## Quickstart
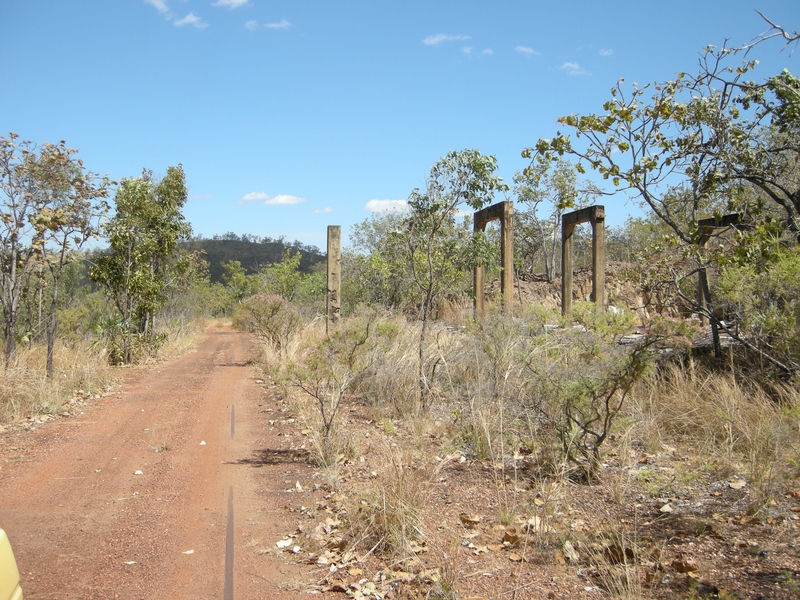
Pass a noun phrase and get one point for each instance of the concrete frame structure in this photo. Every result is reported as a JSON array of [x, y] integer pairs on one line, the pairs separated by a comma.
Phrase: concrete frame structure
[[334, 286], [708, 228], [596, 215], [503, 212]]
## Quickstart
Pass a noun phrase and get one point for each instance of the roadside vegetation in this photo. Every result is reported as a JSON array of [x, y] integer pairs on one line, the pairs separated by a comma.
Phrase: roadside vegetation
[[96, 274], [651, 450], [448, 447]]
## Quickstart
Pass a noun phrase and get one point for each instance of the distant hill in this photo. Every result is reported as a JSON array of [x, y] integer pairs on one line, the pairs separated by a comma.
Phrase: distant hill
[[251, 251]]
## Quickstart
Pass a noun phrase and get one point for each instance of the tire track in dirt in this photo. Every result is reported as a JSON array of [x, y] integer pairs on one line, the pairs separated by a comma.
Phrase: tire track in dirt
[[83, 525]]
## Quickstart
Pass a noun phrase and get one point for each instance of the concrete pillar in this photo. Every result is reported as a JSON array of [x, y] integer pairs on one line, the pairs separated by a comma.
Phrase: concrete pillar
[[334, 286], [507, 256], [566, 268], [599, 264]]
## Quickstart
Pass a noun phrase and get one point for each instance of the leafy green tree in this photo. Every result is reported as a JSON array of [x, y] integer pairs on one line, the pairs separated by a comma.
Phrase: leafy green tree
[[698, 146], [139, 267], [71, 221], [552, 186], [374, 267], [433, 253], [282, 278], [313, 286], [765, 299], [637, 240], [239, 284], [50, 205]]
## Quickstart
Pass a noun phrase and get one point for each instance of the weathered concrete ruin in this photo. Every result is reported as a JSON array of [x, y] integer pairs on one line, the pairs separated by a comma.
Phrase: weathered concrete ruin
[[333, 294], [595, 215], [503, 212], [708, 228]]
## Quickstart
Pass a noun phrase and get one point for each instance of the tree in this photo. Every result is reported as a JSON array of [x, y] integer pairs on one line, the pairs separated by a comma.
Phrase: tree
[[137, 269], [432, 251], [700, 145], [71, 220], [373, 268], [238, 283], [556, 186], [50, 204], [282, 278]]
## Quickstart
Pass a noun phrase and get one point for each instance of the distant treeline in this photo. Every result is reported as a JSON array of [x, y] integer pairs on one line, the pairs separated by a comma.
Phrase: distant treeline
[[251, 251]]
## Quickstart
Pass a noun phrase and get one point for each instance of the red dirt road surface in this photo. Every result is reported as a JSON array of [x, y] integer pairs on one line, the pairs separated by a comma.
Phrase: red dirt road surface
[[84, 524]]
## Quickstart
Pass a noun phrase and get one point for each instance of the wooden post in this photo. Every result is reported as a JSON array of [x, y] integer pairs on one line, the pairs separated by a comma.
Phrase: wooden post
[[702, 286], [333, 294], [709, 227]]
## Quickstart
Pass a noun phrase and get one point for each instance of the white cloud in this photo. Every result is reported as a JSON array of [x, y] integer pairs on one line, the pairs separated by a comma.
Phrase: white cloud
[[251, 25], [322, 211], [282, 24], [191, 19], [432, 40], [488, 51], [527, 50], [386, 205], [573, 68], [467, 49], [285, 199], [606, 52], [253, 196], [231, 4], [160, 5]]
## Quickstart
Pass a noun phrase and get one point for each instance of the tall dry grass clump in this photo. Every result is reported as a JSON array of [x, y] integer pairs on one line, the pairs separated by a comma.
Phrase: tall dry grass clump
[[733, 425], [386, 516], [391, 385], [370, 358], [183, 336], [26, 391]]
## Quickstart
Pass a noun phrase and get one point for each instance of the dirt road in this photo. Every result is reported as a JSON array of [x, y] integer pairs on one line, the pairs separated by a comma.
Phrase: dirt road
[[85, 524]]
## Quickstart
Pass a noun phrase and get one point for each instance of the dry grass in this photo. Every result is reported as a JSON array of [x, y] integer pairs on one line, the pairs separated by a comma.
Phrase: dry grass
[[496, 392], [392, 386], [81, 369], [386, 516], [617, 567], [183, 337], [482, 383], [25, 390], [734, 426]]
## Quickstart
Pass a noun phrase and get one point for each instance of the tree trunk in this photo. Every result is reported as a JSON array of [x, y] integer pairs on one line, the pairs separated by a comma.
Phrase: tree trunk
[[51, 329], [712, 317], [39, 307], [10, 333], [152, 333], [423, 384]]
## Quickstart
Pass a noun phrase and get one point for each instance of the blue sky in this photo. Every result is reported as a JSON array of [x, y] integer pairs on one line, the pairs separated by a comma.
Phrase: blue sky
[[289, 116]]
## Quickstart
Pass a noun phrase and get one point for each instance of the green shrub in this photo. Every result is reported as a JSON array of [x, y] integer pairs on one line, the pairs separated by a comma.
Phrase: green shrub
[[271, 319]]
